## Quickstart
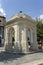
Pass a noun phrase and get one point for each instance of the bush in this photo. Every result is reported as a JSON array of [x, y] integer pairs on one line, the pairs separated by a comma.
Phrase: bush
[[40, 46]]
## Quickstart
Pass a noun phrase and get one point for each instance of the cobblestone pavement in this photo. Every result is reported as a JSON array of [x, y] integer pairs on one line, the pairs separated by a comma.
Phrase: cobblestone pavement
[[36, 62], [15, 59], [2, 49]]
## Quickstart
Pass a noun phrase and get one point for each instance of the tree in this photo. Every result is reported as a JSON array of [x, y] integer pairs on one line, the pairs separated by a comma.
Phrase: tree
[[39, 30]]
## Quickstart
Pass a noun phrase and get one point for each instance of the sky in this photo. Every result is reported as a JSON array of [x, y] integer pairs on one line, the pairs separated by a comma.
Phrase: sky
[[33, 8]]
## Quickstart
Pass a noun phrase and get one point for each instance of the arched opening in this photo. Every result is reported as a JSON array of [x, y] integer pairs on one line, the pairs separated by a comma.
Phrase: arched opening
[[28, 38], [11, 36], [0, 41]]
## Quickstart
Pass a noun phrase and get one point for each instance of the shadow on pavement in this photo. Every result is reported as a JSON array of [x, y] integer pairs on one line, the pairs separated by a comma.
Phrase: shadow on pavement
[[4, 57], [41, 64]]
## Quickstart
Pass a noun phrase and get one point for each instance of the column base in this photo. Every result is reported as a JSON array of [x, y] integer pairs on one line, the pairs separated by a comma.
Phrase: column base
[[34, 48], [8, 47]]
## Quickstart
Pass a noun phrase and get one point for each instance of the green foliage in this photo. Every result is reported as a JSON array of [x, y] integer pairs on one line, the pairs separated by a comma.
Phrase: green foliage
[[39, 30]]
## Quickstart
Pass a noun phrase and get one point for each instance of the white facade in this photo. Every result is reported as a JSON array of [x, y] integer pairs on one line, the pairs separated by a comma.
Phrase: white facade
[[23, 27]]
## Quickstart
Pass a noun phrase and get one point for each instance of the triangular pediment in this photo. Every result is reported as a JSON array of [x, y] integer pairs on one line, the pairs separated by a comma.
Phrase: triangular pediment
[[20, 15]]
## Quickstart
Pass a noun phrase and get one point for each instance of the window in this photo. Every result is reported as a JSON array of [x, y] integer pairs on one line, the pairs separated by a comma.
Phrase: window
[[13, 41], [0, 20]]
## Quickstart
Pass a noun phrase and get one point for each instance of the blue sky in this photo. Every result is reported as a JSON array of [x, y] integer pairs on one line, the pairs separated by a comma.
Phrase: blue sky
[[34, 8]]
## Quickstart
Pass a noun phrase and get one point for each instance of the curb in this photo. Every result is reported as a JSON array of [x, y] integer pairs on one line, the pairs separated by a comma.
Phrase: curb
[[19, 53]]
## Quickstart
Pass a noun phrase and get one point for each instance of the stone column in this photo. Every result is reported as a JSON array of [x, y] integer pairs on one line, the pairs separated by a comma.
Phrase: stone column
[[6, 35], [24, 39], [7, 44], [34, 43], [17, 38], [6, 38], [35, 40]]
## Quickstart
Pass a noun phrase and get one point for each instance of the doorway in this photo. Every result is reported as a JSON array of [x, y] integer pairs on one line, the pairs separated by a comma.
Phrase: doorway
[[11, 36], [0, 41], [29, 39]]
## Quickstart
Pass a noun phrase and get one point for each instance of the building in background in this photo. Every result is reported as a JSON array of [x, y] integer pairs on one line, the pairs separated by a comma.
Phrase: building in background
[[2, 21]]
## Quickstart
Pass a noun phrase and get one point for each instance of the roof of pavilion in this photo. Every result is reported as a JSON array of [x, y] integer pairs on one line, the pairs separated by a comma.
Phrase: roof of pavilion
[[20, 15]]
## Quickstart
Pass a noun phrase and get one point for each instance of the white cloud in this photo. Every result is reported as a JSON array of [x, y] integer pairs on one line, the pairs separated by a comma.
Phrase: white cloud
[[41, 16], [2, 12]]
